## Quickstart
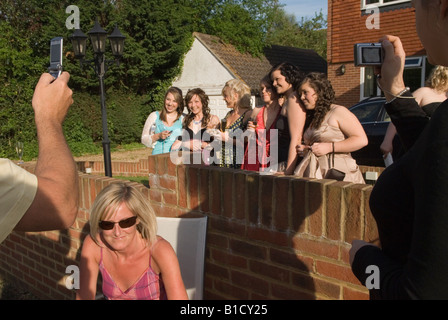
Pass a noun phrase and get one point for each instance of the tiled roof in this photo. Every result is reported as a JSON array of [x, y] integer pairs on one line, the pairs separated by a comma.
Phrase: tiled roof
[[307, 60], [252, 69]]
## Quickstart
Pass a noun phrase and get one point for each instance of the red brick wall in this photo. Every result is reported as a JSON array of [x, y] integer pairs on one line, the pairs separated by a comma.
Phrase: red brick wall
[[268, 237], [346, 86], [347, 26]]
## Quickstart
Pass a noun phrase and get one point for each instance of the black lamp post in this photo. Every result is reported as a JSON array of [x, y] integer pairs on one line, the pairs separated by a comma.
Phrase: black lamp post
[[100, 66]]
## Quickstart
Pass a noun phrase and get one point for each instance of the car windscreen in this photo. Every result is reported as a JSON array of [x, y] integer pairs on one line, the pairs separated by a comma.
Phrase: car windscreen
[[368, 112]]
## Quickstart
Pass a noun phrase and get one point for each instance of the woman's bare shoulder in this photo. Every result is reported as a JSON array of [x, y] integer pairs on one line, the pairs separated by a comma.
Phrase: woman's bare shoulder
[[91, 248]]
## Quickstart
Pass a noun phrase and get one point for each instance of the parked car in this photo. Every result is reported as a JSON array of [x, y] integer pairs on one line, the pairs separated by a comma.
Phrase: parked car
[[375, 120]]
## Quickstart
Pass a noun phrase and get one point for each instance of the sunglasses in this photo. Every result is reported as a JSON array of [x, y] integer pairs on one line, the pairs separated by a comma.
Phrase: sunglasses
[[126, 223]]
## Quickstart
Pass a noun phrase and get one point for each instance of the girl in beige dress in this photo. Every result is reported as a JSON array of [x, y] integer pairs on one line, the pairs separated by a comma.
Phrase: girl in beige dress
[[333, 130]]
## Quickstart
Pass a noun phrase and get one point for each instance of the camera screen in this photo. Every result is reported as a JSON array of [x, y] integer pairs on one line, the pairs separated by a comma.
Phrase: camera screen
[[371, 55], [55, 52]]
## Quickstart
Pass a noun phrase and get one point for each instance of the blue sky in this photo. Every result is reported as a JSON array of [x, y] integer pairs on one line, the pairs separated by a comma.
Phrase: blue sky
[[305, 8]]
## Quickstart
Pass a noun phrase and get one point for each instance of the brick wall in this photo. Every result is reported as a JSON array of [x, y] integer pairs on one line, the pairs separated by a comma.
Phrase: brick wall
[[346, 86], [268, 237]]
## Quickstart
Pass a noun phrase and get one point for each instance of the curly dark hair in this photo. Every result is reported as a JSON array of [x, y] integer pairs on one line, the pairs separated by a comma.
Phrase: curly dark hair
[[293, 75], [325, 96], [205, 108]]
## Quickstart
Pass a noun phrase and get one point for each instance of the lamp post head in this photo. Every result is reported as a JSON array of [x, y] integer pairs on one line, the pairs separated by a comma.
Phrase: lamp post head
[[98, 38], [117, 42], [79, 39]]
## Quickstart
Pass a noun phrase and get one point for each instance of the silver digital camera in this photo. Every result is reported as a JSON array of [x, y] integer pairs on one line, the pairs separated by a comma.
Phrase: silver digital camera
[[368, 54]]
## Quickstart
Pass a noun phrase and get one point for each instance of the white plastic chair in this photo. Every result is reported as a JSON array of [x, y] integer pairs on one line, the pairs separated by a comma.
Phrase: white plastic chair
[[187, 236]]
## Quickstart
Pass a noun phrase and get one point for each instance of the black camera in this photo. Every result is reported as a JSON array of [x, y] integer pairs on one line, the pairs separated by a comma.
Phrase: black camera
[[368, 54]]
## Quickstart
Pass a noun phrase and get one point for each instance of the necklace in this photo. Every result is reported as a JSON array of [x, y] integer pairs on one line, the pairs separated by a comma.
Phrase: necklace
[[197, 122]]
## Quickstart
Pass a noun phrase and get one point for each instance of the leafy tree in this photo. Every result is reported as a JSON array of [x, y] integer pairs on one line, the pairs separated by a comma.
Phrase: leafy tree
[[242, 23], [158, 35], [16, 114], [307, 34]]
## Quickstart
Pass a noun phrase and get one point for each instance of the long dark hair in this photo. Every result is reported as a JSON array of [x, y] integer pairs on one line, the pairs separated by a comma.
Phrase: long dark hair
[[325, 96], [177, 93], [205, 108]]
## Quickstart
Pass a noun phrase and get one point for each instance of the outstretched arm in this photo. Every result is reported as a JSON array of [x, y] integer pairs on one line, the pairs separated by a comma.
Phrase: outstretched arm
[[55, 205]]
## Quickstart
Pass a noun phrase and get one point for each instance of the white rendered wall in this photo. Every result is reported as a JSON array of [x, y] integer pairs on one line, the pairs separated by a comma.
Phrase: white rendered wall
[[202, 70]]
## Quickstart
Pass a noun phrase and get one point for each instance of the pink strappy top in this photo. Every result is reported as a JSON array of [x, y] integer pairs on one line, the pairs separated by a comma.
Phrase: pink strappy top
[[148, 287]]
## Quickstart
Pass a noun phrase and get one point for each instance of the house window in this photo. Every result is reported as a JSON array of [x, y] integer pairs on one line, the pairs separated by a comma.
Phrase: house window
[[368, 83], [379, 3], [416, 70]]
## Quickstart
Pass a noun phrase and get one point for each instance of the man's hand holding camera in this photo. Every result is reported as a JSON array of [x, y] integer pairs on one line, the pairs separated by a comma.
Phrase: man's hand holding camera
[[51, 100], [390, 73], [388, 58]]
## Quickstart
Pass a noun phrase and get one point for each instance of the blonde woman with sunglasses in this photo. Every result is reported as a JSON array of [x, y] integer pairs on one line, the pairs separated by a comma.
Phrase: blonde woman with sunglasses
[[123, 245]]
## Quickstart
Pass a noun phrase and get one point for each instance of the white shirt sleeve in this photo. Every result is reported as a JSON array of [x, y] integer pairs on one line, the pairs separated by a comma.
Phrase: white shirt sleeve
[[18, 188], [146, 137]]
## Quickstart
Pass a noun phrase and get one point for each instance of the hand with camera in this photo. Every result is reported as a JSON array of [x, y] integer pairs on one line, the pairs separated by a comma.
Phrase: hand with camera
[[390, 73], [51, 100], [388, 59], [56, 202]]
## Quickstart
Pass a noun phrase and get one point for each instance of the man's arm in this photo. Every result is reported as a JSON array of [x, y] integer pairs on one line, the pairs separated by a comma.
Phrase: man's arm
[[55, 205]]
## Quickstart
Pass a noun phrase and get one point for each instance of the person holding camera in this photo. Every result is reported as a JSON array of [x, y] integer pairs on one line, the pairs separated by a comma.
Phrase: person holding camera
[[409, 200], [333, 133], [47, 199]]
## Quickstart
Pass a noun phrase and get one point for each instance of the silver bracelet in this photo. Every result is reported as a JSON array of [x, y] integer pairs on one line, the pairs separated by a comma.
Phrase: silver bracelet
[[399, 95]]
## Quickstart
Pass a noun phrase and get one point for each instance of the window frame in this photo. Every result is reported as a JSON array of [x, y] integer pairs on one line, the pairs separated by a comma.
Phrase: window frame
[[420, 64], [381, 3]]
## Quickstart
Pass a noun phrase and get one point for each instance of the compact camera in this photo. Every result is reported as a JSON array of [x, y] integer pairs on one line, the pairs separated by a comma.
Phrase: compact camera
[[368, 54], [55, 67]]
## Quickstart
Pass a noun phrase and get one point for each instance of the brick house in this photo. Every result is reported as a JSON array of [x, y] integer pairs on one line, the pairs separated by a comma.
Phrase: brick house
[[354, 21], [210, 63]]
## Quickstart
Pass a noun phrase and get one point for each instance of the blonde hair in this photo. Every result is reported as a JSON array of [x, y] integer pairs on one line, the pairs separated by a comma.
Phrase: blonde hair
[[241, 89], [438, 79], [108, 201]]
